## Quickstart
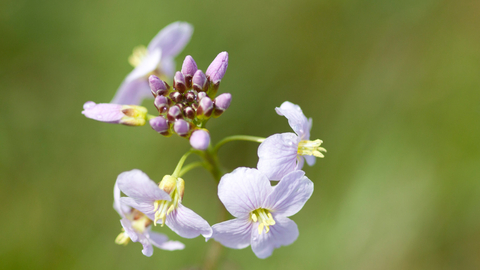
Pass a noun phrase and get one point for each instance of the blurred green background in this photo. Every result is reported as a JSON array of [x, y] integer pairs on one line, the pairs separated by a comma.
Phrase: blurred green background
[[392, 87]]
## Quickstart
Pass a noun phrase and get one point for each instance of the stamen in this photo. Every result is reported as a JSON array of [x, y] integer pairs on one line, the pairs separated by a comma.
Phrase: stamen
[[139, 53], [311, 148], [122, 238], [264, 218]]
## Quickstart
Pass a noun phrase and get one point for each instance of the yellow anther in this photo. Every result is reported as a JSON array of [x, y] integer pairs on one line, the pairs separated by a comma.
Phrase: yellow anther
[[311, 148], [139, 53], [122, 239], [264, 218]]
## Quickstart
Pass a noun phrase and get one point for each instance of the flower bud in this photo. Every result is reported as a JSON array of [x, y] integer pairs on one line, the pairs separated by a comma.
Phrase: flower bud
[[174, 113], [190, 96], [218, 67], [200, 139], [176, 97], [221, 103], [201, 95], [168, 184], [179, 82], [157, 86], [205, 108], [189, 68], [160, 125], [189, 112], [181, 127], [160, 102], [199, 81]]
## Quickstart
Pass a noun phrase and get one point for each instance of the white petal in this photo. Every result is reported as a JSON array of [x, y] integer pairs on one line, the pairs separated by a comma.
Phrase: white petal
[[277, 155], [148, 65], [147, 246], [139, 187], [187, 223], [172, 39], [243, 191], [117, 205], [132, 92], [283, 233], [127, 226], [161, 241], [296, 119], [145, 207], [310, 160], [235, 233], [291, 193]]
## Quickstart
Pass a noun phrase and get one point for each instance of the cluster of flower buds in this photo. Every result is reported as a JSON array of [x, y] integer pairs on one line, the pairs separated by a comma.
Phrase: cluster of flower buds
[[185, 108]]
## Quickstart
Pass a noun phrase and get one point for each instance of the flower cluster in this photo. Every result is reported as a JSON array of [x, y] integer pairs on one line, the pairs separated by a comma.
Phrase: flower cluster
[[261, 210]]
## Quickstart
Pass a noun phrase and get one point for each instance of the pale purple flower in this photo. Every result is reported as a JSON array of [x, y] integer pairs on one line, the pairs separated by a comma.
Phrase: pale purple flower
[[130, 115], [162, 202], [261, 211], [282, 153], [137, 227], [157, 59]]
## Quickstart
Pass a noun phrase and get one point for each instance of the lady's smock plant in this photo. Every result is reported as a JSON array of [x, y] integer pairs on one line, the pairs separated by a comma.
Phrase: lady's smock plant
[[184, 107]]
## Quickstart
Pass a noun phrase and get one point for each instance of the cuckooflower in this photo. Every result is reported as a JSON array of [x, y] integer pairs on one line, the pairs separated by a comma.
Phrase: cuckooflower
[[137, 227], [261, 210], [157, 59], [130, 115], [282, 153], [162, 203]]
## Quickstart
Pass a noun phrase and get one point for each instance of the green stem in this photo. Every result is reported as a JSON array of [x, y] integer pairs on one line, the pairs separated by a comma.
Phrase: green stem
[[150, 117], [176, 173], [189, 167], [237, 138]]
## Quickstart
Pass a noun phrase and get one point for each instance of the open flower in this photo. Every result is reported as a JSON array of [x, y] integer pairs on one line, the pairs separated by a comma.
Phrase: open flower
[[162, 202], [137, 227], [261, 210], [282, 153], [156, 59]]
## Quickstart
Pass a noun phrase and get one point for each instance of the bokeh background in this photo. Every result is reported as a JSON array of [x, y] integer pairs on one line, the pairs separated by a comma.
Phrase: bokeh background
[[392, 87]]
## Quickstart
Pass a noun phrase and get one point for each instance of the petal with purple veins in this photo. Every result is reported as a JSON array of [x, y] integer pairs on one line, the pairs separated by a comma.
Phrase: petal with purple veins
[[291, 193], [243, 191], [283, 233], [139, 187], [296, 119], [235, 233], [278, 155], [187, 223]]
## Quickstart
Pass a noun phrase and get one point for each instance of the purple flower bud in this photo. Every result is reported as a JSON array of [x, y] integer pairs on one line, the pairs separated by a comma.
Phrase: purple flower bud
[[179, 82], [181, 127], [159, 124], [218, 67], [222, 102], [199, 81], [176, 97], [157, 86], [200, 139], [201, 95], [190, 96], [160, 102], [205, 108], [189, 112], [174, 113], [189, 68]]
